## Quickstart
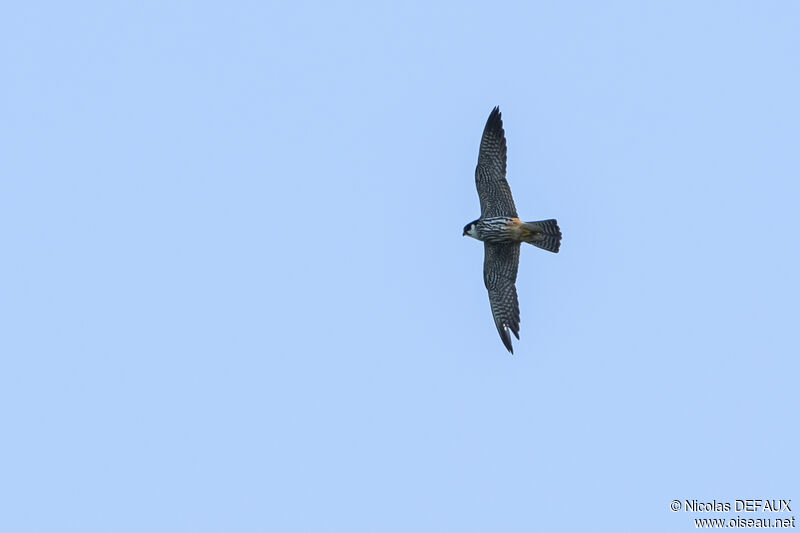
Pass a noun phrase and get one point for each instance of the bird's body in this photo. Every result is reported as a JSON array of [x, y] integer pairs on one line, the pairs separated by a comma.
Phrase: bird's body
[[497, 229], [501, 230]]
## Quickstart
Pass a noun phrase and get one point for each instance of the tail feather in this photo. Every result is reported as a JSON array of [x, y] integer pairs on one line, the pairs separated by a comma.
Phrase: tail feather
[[544, 234]]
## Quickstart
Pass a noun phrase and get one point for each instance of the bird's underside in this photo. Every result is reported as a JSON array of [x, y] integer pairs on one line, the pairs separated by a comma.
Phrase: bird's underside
[[501, 230]]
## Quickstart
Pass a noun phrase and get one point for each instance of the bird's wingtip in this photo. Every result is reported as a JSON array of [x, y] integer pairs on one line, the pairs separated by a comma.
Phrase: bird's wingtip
[[494, 123], [505, 336]]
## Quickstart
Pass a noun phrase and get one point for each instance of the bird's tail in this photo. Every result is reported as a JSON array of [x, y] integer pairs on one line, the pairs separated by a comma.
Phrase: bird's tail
[[544, 234]]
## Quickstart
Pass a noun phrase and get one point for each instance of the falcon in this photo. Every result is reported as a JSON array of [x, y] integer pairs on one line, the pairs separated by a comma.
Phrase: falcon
[[501, 230]]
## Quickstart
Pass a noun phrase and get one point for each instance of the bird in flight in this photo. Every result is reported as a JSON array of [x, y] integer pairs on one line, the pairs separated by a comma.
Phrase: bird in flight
[[501, 230]]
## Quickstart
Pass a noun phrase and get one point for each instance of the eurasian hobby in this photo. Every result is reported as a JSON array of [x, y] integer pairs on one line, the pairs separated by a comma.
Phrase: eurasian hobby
[[501, 230]]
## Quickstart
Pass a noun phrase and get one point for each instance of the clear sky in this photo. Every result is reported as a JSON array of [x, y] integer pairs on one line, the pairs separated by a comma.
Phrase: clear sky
[[235, 295]]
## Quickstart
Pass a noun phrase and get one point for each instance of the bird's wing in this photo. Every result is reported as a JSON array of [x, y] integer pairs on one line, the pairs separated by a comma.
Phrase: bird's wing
[[500, 265], [490, 174]]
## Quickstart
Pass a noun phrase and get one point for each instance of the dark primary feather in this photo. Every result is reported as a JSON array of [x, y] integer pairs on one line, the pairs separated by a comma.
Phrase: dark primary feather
[[500, 265], [490, 174]]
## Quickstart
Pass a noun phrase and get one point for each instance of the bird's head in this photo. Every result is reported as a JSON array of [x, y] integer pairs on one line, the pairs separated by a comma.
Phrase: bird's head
[[471, 229]]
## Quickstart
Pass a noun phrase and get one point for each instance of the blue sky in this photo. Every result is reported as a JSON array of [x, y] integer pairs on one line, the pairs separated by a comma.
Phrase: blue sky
[[235, 294]]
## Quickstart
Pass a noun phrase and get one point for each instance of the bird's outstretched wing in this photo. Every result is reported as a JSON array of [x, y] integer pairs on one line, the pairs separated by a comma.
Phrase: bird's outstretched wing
[[500, 264], [490, 174]]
